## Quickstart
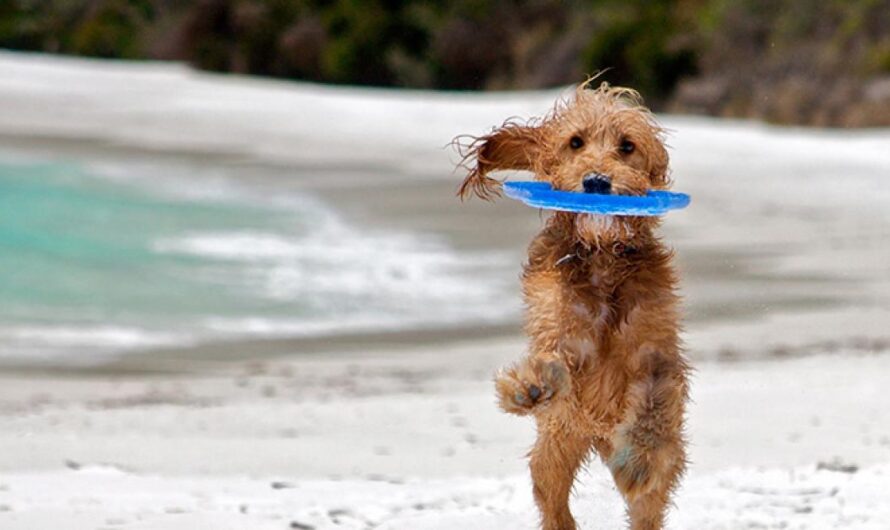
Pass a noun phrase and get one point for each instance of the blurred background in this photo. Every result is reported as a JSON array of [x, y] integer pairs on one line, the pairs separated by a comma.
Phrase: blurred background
[[795, 61], [231, 256], [320, 209]]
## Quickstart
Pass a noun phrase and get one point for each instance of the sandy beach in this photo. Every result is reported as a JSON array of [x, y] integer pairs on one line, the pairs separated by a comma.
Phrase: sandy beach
[[413, 440], [784, 254]]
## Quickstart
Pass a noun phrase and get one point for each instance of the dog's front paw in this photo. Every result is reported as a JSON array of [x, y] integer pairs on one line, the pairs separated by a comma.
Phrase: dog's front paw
[[532, 384]]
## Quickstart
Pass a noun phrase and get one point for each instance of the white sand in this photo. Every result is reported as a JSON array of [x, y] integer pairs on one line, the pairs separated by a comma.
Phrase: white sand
[[413, 440]]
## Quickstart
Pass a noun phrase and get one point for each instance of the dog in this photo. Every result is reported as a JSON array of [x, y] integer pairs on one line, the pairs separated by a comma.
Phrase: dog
[[605, 371]]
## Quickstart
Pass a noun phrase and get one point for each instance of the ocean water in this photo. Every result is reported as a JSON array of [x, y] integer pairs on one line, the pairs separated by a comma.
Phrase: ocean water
[[95, 265]]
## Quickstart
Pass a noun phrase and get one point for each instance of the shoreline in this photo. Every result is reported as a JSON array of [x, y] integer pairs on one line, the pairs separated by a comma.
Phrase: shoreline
[[212, 356]]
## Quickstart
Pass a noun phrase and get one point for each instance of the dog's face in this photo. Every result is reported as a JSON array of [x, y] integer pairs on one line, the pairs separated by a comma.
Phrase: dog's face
[[602, 141]]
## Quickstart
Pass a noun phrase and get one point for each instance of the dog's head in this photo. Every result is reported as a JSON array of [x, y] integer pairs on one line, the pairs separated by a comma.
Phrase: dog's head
[[601, 140]]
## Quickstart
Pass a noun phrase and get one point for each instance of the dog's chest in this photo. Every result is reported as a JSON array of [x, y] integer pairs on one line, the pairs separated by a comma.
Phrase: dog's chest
[[569, 312], [584, 329]]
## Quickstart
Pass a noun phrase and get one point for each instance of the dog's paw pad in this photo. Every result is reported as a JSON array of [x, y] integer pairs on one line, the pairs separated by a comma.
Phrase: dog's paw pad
[[530, 385], [520, 399]]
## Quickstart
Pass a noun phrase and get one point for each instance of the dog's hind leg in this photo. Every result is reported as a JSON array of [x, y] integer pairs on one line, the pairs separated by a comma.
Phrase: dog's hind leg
[[646, 479], [555, 459], [648, 455]]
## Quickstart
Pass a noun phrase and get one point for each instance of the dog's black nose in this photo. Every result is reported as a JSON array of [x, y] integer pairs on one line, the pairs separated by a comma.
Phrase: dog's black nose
[[597, 183]]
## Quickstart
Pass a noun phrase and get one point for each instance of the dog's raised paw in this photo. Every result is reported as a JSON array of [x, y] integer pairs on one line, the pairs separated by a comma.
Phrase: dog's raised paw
[[532, 384]]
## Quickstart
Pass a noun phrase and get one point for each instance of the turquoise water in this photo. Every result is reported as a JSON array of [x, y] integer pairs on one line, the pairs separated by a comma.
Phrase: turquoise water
[[80, 252], [92, 265]]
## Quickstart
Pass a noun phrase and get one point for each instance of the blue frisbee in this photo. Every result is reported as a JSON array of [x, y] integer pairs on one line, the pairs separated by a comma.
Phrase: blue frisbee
[[542, 195]]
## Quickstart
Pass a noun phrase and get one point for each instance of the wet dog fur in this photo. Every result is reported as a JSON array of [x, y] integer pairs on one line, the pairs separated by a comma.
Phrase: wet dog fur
[[605, 372]]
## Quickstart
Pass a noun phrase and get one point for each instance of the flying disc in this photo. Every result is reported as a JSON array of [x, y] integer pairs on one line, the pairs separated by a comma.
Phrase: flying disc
[[542, 195]]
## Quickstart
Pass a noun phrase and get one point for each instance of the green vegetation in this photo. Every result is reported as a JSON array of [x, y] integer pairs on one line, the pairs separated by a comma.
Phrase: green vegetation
[[462, 44], [802, 61]]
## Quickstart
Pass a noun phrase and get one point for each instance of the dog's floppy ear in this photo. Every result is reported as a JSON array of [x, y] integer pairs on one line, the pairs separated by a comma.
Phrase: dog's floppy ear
[[512, 146], [658, 172]]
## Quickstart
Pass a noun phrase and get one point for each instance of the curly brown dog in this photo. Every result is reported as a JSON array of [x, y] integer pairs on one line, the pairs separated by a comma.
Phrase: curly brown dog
[[605, 370]]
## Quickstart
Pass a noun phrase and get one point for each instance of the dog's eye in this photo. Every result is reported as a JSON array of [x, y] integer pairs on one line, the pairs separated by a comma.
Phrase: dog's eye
[[576, 142], [626, 147]]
